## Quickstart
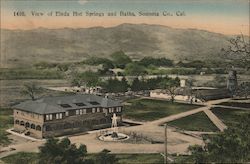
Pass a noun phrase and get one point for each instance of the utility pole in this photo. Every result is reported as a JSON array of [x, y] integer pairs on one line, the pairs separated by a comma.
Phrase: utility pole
[[166, 145]]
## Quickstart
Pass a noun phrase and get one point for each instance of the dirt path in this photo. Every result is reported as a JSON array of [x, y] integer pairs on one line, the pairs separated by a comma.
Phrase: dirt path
[[178, 116], [216, 121]]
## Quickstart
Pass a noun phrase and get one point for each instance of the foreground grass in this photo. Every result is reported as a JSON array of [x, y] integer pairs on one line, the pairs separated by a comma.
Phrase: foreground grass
[[229, 116], [149, 109], [21, 158], [139, 158], [32, 158], [195, 122], [6, 121]]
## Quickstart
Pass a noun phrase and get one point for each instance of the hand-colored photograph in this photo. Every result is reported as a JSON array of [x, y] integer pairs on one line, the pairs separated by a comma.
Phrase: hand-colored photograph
[[124, 81]]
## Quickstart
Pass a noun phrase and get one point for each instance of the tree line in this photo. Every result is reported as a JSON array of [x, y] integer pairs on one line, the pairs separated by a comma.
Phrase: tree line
[[63, 151]]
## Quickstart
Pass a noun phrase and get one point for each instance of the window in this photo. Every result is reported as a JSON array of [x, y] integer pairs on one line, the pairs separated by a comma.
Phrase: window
[[119, 109], [17, 121], [80, 111], [66, 113], [80, 104], [59, 116], [27, 125], [32, 126], [98, 109], [77, 112], [93, 110], [38, 127], [94, 103], [84, 111], [22, 123], [48, 116], [110, 110], [65, 105]]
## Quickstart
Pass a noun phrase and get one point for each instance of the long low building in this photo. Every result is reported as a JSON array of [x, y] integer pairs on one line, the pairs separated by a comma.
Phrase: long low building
[[57, 116], [199, 94]]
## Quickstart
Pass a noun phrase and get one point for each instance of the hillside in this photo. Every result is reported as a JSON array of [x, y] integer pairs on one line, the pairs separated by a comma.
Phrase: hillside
[[22, 47]]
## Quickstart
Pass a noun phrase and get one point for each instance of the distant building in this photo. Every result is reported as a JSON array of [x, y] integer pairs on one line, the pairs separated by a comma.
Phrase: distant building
[[182, 83], [211, 94], [82, 89], [56, 116], [198, 94], [232, 82]]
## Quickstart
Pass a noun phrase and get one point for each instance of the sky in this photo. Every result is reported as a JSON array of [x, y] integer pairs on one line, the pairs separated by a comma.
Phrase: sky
[[221, 16]]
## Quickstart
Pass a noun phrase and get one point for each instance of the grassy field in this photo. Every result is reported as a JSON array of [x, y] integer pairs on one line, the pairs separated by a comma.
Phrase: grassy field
[[10, 89], [29, 73], [148, 109], [195, 122], [32, 158], [6, 121], [21, 158], [139, 158], [229, 116], [236, 104]]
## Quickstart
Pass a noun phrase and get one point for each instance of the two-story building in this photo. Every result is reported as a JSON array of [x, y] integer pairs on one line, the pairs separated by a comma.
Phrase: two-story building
[[56, 116]]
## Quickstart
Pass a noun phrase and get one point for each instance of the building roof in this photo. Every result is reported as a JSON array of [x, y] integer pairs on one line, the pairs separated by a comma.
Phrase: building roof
[[65, 103], [212, 94]]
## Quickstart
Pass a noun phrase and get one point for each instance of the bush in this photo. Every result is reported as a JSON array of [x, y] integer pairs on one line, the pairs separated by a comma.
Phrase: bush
[[146, 61]]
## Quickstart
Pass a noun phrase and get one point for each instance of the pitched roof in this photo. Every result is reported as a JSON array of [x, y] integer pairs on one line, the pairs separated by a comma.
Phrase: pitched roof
[[212, 94], [64, 103]]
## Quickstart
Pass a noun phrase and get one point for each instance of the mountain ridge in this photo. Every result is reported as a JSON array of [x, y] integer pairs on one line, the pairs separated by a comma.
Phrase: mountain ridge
[[136, 40]]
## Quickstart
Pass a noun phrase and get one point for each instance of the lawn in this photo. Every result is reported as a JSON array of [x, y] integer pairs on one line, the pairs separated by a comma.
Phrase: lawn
[[32, 158], [229, 116], [139, 158], [6, 121], [29, 73], [195, 122], [236, 104], [149, 109], [21, 158]]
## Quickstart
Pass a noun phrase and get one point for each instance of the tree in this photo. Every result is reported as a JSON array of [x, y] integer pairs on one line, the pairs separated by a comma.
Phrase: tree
[[56, 151], [104, 157], [106, 69], [115, 85], [136, 85], [76, 80], [124, 84], [120, 59], [198, 155], [74, 77], [244, 89], [171, 85], [31, 89], [231, 146], [135, 69], [146, 61], [89, 78], [238, 51], [190, 84]]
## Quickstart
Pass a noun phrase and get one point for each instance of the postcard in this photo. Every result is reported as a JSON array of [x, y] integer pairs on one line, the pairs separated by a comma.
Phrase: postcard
[[122, 81]]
